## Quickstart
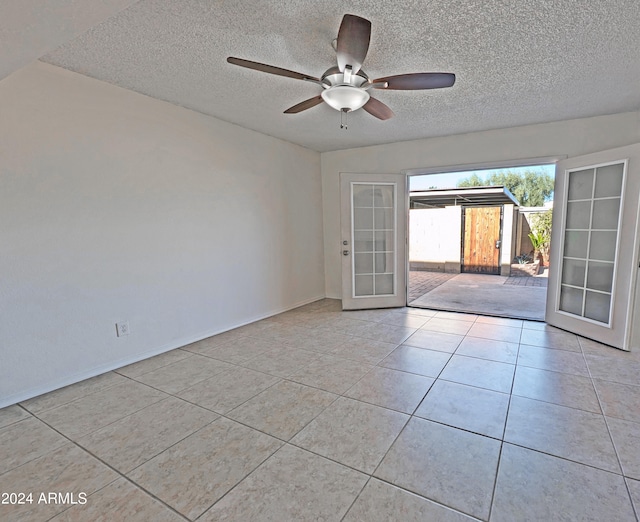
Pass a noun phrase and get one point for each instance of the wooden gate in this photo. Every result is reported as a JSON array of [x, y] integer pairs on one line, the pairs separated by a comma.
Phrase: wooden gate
[[482, 240]]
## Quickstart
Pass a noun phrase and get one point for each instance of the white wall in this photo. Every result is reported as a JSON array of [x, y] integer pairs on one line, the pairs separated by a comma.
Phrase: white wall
[[115, 206], [570, 138], [508, 239], [434, 237]]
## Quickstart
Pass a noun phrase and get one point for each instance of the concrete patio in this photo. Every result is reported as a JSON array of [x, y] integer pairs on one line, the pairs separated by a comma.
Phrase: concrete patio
[[517, 297]]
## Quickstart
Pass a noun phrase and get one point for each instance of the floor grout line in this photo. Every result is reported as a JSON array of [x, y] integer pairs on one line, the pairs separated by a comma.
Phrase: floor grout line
[[613, 443], [115, 470]]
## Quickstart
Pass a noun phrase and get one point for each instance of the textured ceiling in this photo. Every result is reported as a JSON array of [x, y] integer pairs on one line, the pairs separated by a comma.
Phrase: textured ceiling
[[30, 28], [517, 62]]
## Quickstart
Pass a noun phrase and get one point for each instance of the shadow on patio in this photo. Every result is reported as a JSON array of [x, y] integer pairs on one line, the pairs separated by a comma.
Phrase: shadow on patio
[[517, 297]]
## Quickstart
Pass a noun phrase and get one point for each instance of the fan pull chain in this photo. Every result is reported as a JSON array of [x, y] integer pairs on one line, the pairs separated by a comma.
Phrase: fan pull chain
[[344, 119]]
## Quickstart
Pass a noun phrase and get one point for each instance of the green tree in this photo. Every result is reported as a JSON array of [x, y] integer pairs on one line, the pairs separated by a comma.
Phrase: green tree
[[472, 181], [542, 223], [530, 188], [540, 235]]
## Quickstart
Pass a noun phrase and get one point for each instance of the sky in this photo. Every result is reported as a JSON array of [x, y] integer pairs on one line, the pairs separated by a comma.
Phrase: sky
[[450, 179]]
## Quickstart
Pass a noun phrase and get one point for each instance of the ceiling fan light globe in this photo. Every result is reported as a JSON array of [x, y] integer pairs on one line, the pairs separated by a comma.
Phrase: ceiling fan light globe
[[345, 97]]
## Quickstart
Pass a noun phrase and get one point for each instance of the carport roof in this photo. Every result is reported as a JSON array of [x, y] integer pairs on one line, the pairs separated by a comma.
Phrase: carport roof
[[461, 196]]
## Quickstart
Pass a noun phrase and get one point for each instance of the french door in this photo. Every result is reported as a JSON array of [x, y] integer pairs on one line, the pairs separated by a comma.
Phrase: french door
[[594, 248], [373, 248]]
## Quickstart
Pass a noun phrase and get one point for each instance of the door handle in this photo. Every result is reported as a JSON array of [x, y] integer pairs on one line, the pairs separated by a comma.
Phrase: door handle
[[345, 252], [498, 243]]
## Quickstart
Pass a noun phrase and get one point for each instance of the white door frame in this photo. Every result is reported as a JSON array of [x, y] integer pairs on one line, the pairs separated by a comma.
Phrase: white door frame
[[618, 332], [398, 298]]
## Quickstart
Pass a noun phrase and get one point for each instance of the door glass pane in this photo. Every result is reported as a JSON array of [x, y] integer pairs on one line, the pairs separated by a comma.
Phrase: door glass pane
[[363, 284], [597, 306], [603, 245], [383, 239], [384, 263], [363, 263], [373, 239], [589, 254], [578, 214], [571, 300], [384, 284], [600, 276], [605, 213], [362, 196], [384, 218], [609, 180], [573, 272], [363, 241], [581, 184], [383, 196], [362, 219], [575, 243]]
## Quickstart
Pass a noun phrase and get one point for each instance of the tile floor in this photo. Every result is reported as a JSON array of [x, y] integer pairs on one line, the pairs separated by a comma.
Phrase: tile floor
[[318, 414]]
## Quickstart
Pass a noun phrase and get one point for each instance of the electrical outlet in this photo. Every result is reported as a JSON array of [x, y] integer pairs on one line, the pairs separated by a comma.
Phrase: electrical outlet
[[122, 328]]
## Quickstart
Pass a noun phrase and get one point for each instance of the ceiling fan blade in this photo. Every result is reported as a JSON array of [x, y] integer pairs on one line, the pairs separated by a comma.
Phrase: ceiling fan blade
[[353, 42], [303, 106], [270, 69], [417, 81], [378, 109]]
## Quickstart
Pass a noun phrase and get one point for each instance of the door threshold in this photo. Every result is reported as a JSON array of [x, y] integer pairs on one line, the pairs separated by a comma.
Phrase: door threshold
[[484, 313]]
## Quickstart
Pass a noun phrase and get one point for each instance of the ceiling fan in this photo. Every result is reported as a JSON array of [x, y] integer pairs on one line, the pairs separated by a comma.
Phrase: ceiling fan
[[346, 87]]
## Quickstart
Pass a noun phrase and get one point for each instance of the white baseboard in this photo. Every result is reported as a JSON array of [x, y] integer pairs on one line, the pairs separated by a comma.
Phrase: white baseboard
[[99, 370]]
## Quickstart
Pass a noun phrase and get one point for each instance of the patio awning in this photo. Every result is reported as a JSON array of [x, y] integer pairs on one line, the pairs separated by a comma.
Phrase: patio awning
[[461, 196]]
